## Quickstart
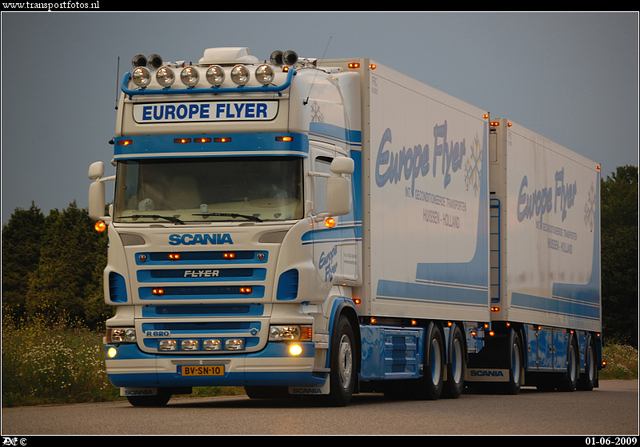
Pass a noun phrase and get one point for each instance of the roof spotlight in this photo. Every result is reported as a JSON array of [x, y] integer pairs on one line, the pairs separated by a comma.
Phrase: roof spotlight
[[165, 76], [240, 75], [189, 76], [141, 76], [265, 74], [215, 75]]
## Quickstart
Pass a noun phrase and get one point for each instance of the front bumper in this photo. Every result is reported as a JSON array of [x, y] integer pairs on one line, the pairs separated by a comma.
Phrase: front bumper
[[130, 367]]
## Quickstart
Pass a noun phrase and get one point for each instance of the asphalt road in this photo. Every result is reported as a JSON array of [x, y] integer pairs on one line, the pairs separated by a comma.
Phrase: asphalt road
[[611, 409]]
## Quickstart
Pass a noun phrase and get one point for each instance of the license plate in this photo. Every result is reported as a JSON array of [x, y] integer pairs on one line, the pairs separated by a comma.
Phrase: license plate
[[201, 370]]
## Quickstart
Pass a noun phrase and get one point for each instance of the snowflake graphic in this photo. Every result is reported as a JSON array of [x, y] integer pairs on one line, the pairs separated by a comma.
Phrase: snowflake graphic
[[590, 208], [316, 115], [473, 166]]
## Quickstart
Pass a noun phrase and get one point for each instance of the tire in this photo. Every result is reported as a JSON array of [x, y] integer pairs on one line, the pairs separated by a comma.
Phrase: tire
[[159, 400], [589, 379], [456, 367], [430, 385], [570, 380], [516, 366], [342, 365]]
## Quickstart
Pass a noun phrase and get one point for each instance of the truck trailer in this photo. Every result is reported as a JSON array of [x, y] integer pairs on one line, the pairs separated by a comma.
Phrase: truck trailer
[[323, 228]]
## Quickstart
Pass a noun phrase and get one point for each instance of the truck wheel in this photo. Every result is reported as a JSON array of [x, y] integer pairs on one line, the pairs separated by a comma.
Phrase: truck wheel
[[159, 400], [570, 381], [587, 381], [432, 381], [343, 373], [515, 369], [456, 368]]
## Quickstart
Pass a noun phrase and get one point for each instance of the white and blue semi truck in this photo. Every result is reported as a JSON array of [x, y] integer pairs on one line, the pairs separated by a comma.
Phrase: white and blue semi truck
[[333, 227]]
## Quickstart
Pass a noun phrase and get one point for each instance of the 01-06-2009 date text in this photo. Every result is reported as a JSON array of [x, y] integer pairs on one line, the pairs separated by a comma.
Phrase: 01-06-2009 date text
[[611, 440]]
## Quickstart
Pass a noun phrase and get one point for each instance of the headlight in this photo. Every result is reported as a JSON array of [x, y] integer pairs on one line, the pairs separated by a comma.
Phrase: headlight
[[215, 75], [165, 77], [141, 76], [189, 76], [264, 74], [290, 333], [240, 75], [121, 335]]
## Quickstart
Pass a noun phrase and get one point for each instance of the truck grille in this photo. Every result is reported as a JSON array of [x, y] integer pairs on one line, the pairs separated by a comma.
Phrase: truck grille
[[208, 282]]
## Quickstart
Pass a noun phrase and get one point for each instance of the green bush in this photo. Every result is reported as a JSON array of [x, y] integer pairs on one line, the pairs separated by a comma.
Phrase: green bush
[[57, 361], [622, 362]]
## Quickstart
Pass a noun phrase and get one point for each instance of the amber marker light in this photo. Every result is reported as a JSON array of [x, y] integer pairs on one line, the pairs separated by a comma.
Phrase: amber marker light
[[174, 256], [157, 291], [330, 222], [182, 140], [100, 226], [222, 140], [229, 255], [354, 64], [285, 139], [245, 290]]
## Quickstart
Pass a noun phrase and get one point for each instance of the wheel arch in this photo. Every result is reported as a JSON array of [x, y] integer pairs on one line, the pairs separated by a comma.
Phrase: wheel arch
[[344, 306]]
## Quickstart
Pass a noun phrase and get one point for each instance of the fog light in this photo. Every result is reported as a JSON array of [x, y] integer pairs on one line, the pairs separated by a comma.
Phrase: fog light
[[190, 345], [168, 345], [295, 350], [211, 345], [234, 344], [111, 352]]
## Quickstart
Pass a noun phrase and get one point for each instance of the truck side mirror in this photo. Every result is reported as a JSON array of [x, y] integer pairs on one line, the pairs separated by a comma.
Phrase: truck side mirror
[[339, 187], [97, 192]]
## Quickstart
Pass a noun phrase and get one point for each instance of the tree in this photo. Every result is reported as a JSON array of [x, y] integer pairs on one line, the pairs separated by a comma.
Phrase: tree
[[69, 254], [619, 222], [20, 257]]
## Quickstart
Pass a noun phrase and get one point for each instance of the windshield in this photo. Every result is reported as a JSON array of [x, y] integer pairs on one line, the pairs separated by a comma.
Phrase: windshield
[[209, 189]]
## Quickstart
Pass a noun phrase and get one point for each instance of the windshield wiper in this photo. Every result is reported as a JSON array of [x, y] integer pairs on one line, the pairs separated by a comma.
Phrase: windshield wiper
[[234, 215], [155, 216]]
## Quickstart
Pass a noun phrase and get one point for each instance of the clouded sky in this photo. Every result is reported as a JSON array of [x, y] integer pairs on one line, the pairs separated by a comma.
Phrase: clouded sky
[[572, 77]]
